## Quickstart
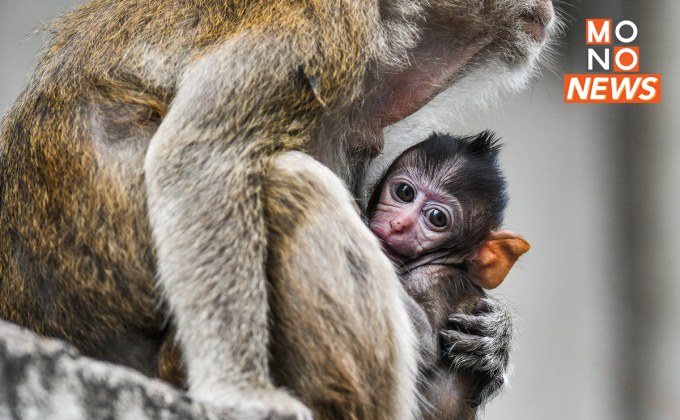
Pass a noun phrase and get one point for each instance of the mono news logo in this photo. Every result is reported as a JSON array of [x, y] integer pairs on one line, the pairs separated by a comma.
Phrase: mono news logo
[[610, 48]]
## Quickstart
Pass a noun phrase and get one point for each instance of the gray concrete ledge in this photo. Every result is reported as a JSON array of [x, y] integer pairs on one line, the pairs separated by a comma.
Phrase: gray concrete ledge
[[45, 379]]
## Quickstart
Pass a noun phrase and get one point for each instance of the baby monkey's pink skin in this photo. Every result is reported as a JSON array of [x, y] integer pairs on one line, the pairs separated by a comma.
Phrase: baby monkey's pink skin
[[413, 216]]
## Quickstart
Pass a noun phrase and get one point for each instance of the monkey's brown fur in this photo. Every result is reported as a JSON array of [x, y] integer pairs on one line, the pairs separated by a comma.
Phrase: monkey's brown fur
[[141, 148], [79, 263], [296, 208], [449, 389], [333, 343]]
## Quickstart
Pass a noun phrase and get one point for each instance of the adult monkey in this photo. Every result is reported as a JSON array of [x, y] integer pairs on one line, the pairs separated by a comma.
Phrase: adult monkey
[[149, 143]]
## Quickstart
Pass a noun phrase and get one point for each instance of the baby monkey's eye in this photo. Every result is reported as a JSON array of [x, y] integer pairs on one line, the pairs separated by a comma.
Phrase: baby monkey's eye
[[405, 192], [437, 217]]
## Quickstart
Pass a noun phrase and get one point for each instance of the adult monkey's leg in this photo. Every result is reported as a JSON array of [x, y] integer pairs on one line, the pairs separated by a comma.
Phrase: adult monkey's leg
[[204, 172], [342, 339]]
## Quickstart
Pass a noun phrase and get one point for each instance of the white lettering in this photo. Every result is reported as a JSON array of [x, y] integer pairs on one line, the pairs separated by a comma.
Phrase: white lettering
[[604, 62], [630, 38], [603, 36]]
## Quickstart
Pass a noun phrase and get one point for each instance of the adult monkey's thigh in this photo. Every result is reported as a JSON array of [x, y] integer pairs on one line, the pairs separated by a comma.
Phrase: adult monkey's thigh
[[341, 336]]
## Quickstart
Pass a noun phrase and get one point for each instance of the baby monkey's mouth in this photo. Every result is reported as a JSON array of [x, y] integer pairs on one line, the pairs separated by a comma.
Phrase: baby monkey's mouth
[[393, 255], [398, 259]]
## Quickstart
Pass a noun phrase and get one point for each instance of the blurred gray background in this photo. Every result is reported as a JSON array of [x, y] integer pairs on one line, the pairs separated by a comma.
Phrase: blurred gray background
[[595, 188]]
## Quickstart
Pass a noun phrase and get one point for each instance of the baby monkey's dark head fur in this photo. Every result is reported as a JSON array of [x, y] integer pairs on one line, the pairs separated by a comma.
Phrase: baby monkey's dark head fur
[[465, 168]]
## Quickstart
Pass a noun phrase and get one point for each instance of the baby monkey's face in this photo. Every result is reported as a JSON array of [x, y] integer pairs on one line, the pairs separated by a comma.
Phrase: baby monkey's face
[[413, 216]]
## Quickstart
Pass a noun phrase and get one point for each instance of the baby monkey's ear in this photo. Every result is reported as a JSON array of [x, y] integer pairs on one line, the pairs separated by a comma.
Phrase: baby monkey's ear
[[498, 253]]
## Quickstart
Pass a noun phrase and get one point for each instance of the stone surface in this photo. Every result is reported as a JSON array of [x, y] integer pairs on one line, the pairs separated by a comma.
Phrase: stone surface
[[47, 379]]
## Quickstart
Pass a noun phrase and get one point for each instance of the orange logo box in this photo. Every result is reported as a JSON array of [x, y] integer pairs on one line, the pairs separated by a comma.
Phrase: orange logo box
[[612, 88], [598, 31], [627, 59]]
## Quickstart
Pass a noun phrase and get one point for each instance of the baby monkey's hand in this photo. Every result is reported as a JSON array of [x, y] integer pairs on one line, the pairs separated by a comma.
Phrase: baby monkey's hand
[[479, 343]]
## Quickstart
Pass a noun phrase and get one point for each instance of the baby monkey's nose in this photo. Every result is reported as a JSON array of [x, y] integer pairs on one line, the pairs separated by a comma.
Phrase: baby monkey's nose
[[400, 224]]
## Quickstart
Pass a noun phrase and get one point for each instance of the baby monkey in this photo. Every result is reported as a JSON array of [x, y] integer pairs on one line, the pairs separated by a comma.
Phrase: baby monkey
[[437, 210]]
